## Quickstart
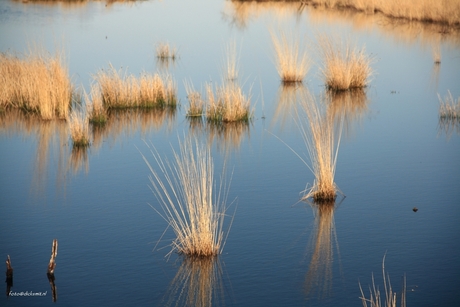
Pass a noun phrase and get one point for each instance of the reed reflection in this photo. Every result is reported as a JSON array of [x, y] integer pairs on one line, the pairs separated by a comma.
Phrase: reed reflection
[[288, 98], [242, 13], [123, 123], [318, 280], [198, 283], [347, 106], [227, 136]]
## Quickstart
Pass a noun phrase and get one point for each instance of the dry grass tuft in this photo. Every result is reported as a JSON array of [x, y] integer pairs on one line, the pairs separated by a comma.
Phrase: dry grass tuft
[[165, 51], [196, 103], [292, 64], [449, 108], [374, 299], [37, 83], [120, 90], [79, 129], [344, 67], [228, 104], [322, 141], [185, 189], [95, 109]]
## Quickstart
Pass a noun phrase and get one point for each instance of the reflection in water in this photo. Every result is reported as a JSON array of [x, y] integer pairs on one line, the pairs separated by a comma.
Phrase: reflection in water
[[198, 283], [349, 106], [289, 96], [49, 134], [79, 160], [448, 126], [9, 276], [128, 122], [241, 13], [51, 280], [319, 276], [227, 136]]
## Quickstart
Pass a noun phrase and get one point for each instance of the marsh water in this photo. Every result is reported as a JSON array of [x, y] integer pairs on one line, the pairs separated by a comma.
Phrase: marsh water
[[394, 155]]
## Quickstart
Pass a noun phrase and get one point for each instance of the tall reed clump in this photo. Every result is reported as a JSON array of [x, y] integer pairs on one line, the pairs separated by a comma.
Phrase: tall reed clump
[[97, 114], [120, 90], [374, 299], [322, 139], [37, 83], [79, 129], [449, 109], [185, 189], [292, 63], [344, 67], [227, 104]]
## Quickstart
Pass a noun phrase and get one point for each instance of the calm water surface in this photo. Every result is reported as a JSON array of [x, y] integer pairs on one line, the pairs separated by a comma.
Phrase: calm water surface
[[394, 156]]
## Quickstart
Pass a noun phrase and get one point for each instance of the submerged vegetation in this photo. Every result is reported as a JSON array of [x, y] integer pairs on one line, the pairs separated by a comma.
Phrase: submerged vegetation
[[322, 140], [121, 91], [186, 191], [344, 67], [292, 64], [374, 299], [37, 83]]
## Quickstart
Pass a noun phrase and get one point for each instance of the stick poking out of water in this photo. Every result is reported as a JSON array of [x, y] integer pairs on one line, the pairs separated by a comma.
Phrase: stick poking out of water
[[52, 264], [9, 268]]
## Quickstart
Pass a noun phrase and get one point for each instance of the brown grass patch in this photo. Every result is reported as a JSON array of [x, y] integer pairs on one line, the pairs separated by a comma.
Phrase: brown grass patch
[[38, 83], [120, 90], [344, 67], [227, 104], [79, 129]]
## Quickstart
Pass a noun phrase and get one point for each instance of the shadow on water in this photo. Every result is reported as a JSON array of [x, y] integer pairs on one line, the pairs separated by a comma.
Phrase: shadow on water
[[198, 282], [318, 280]]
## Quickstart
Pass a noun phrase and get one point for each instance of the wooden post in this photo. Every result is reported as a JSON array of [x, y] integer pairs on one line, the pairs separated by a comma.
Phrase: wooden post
[[52, 263], [9, 276], [9, 268]]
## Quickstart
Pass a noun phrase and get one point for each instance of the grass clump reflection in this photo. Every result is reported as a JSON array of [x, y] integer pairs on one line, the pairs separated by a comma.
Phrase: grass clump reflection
[[185, 189]]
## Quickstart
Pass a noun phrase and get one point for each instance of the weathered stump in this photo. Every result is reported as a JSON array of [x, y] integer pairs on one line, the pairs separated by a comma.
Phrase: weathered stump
[[52, 264]]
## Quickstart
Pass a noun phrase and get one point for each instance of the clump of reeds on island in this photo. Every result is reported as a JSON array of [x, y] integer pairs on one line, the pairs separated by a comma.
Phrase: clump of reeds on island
[[227, 103], [449, 109], [196, 103], [79, 129], [292, 63], [38, 82], [165, 51], [96, 112], [120, 90], [345, 67], [322, 137], [192, 202], [391, 299]]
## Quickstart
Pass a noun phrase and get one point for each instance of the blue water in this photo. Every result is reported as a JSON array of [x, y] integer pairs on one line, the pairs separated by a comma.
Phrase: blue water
[[393, 157]]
